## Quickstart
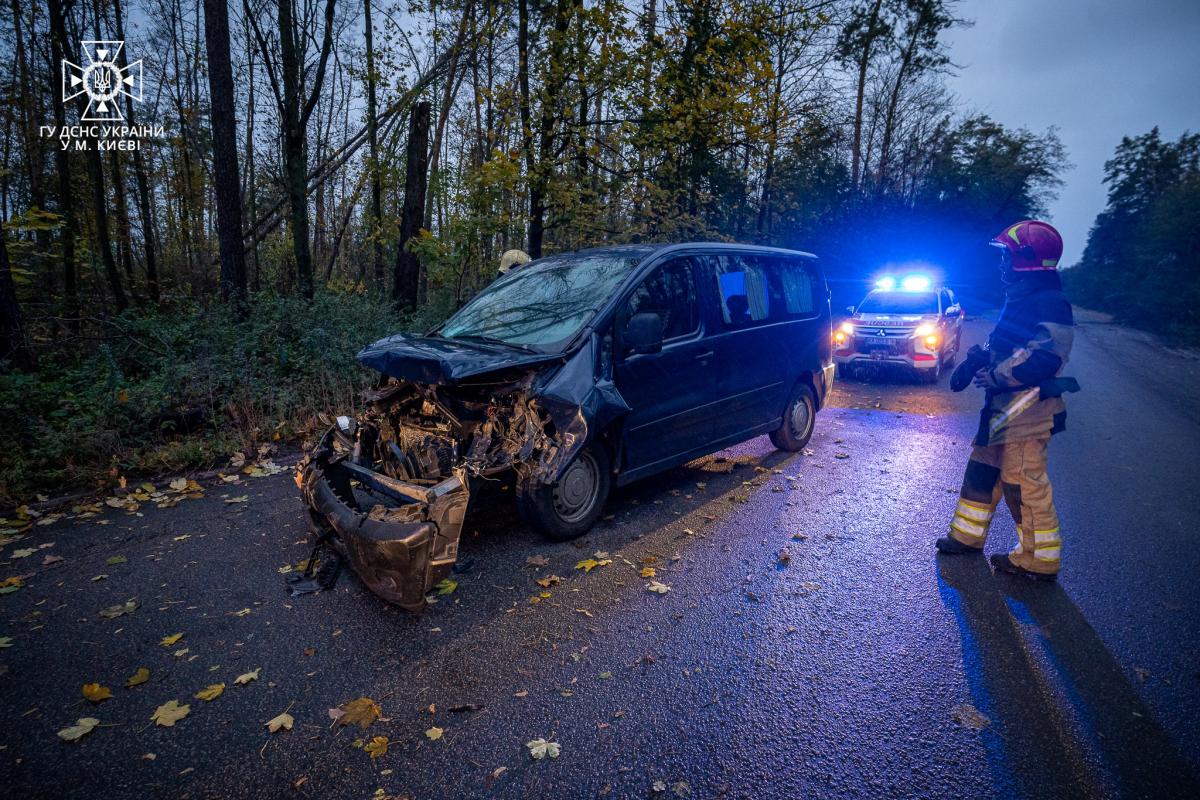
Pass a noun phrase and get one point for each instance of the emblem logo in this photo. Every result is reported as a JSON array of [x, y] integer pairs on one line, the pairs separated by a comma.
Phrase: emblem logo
[[103, 80]]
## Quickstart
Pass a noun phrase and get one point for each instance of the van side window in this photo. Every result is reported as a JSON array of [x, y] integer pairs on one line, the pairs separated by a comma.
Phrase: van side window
[[744, 290], [670, 292], [797, 283]]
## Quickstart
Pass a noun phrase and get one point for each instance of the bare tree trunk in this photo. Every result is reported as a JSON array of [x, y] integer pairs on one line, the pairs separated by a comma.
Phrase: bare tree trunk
[[864, 61], [66, 205], [449, 93], [34, 145], [149, 238], [376, 225], [14, 346], [407, 275], [295, 114], [523, 88], [251, 178], [226, 176], [540, 179]]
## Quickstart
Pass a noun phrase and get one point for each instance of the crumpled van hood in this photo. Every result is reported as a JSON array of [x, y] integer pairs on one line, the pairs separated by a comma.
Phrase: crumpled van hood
[[436, 360]]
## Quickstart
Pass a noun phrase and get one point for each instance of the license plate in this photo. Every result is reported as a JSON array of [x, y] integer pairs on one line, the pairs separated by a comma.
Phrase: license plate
[[879, 341]]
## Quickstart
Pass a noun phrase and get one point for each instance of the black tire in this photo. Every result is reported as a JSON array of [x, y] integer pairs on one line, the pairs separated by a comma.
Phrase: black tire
[[567, 509], [799, 418]]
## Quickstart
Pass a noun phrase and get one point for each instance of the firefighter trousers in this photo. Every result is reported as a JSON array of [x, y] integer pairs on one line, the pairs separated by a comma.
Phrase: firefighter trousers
[[1015, 471]]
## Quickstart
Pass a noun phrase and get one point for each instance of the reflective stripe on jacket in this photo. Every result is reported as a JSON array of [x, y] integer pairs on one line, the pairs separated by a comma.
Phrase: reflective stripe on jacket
[[1030, 345]]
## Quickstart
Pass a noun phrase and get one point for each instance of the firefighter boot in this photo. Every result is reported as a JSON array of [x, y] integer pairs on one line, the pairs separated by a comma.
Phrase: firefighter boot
[[1002, 563], [1027, 492], [977, 502], [953, 547]]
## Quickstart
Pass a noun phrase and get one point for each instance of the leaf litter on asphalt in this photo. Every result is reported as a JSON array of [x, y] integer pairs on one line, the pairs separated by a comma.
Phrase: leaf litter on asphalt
[[211, 692], [96, 693], [169, 713], [969, 717], [112, 612], [540, 748], [282, 722], [246, 677], [361, 712], [81, 728]]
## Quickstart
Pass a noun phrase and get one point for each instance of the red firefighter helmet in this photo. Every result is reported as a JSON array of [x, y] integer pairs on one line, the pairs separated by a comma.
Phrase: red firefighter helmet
[[1032, 244]]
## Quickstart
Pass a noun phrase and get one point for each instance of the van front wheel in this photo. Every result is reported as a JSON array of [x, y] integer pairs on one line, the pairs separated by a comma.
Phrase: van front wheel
[[568, 508], [798, 420]]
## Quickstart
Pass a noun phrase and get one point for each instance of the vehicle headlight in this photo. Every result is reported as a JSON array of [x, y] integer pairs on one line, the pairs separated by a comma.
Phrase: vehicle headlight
[[847, 328], [839, 337], [924, 330]]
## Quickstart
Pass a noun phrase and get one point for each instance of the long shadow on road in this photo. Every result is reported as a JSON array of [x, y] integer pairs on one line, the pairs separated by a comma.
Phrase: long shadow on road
[[1065, 721]]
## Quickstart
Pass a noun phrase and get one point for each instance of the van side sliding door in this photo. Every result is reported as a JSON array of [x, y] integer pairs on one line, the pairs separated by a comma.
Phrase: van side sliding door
[[671, 392]]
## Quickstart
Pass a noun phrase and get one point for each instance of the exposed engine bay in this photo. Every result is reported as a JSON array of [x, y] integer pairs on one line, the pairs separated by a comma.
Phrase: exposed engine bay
[[410, 460], [388, 489]]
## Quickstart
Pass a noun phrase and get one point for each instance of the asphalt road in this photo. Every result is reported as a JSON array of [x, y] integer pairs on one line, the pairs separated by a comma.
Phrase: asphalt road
[[856, 664]]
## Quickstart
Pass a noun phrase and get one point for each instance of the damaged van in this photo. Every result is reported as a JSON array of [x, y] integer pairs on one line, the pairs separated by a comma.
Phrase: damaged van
[[576, 373]]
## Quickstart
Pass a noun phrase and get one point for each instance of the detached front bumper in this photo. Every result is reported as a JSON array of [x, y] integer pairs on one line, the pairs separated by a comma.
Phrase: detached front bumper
[[399, 551]]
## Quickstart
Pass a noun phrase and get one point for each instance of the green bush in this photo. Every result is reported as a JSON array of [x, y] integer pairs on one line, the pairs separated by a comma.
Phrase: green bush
[[110, 398]]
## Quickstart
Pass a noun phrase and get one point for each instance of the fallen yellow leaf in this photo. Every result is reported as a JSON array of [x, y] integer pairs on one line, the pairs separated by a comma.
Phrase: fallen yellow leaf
[[96, 693], [377, 747], [167, 641], [169, 713], [361, 712], [211, 693], [648, 572], [80, 729], [246, 677], [141, 676], [435, 733], [283, 721]]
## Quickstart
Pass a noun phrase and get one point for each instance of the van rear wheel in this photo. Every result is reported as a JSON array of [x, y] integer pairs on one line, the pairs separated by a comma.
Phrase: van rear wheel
[[568, 508], [798, 420]]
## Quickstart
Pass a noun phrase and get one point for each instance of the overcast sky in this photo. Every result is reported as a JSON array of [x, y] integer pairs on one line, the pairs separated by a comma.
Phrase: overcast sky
[[1096, 69]]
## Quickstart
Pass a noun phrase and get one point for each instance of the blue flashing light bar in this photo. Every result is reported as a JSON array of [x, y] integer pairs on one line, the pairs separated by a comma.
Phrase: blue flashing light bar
[[915, 283], [886, 283]]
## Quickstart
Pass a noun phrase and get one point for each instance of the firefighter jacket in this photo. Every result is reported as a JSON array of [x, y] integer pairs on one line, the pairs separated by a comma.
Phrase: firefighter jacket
[[1029, 350]]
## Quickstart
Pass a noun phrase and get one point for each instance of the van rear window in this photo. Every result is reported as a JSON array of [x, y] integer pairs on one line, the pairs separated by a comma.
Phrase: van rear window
[[797, 284], [763, 288]]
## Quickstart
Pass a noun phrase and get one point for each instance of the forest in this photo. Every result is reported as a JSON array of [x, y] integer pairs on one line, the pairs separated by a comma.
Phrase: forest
[[279, 182]]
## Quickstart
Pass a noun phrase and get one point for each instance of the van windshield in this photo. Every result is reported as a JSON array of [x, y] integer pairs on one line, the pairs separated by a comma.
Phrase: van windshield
[[899, 303], [542, 305]]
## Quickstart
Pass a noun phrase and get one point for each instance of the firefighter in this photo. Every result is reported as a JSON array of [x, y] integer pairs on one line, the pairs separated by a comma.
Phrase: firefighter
[[510, 260], [1021, 375]]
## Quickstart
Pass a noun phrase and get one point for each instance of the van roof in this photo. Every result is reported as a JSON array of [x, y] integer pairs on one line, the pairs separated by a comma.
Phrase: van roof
[[646, 250]]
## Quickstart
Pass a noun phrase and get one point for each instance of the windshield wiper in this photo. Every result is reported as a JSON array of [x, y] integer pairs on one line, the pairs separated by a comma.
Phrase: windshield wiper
[[477, 337]]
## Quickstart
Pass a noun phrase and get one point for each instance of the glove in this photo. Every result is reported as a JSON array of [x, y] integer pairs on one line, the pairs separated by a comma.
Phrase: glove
[[977, 358]]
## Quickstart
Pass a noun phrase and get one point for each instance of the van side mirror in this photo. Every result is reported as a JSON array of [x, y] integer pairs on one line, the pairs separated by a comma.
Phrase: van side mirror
[[850, 310], [643, 333]]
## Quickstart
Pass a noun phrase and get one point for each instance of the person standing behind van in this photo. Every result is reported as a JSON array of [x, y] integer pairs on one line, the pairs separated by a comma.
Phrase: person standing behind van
[[511, 260]]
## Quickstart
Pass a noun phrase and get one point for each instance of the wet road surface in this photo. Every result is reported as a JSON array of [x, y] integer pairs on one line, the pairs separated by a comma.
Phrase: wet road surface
[[810, 643]]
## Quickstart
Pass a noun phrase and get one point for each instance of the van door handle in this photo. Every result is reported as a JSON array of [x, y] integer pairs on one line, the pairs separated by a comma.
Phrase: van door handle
[[704, 356]]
